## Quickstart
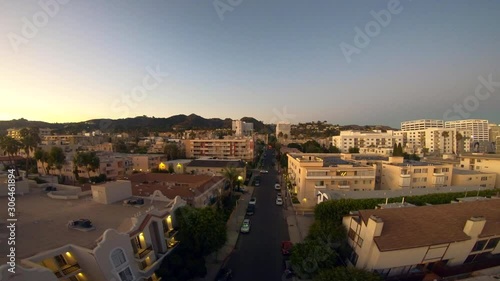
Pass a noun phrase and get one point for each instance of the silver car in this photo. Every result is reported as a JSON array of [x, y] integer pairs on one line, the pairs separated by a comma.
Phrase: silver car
[[245, 227]]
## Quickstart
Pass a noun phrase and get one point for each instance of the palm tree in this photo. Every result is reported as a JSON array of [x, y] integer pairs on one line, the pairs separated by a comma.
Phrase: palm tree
[[10, 146], [56, 158], [89, 160], [43, 157], [231, 174], [30, 139], [459, 137]]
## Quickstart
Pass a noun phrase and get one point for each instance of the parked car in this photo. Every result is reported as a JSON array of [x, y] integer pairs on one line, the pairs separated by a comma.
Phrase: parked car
[[264, 171], [250, 210], [225, 274], [256, 183], [253, 201], [278, 194], [245, 227], [279, 201], [286, 247], [288, 269], [277, 186]]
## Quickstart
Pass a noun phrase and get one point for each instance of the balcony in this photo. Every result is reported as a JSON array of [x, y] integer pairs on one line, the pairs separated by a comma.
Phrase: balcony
[[67, 270], [405, 176], [344, 186], [170, 239], [320, 186], [142, 253]]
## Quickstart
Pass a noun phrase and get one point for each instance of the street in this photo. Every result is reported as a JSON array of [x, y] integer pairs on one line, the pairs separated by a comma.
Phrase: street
[[257, 255]]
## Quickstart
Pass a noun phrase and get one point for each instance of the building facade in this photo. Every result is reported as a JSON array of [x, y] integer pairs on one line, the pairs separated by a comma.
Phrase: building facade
[[374, 139], [463, 177], [242, 128], [486, 163], [283, 128], [422, 124], [230, 148]]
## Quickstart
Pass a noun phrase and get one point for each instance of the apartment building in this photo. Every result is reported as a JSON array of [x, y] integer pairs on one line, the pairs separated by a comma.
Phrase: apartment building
[[216, 167], [228, 148], [422, 124], [495, 137], [373, 139], [369, 160], [382, 151], [241, 128], [463, 177], [283, 128], [442, 240], [123, 243], [399, 173], [435, 140], [146, 162], [310, 172], [486, 163], [478, 127]]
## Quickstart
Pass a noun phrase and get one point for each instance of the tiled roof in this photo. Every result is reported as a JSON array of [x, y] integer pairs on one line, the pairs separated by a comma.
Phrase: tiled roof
[[406, 228]]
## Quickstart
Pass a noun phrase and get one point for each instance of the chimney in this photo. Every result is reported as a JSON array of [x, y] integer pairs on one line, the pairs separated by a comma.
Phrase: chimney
[[474, 226], [375, 225]]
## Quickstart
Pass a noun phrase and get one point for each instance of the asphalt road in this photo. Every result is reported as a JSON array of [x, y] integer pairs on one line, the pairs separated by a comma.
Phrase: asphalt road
[[257, 255]]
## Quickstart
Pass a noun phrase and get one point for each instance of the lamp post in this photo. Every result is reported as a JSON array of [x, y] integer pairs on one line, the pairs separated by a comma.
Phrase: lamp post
[[240, 179]]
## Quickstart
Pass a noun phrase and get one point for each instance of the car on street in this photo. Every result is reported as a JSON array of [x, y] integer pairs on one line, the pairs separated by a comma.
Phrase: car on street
[[225, 274], [256, 183], [245, 227], [278, 194], [288, 269], [279, 201], [286, 247], [250, 210], [277, 186], [264, 171], [253, 201]]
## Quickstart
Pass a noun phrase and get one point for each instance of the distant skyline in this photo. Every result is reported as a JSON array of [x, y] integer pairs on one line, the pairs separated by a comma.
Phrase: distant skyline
[[279, 60]]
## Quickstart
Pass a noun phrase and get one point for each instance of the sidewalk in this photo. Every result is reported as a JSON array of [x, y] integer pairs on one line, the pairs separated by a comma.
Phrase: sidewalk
[[215, 261]]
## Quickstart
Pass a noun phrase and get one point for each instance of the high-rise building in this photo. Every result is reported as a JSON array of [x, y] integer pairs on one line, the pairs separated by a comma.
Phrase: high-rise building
[[284, 128], [421, 124], [374, 139], [479, 138]]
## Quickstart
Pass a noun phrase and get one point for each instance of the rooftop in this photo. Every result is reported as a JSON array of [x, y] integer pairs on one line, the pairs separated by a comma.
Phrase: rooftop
[[370, 157], [171, 185], [42, 222], [414, 163], [406, 228], [466, 172], [335, 161], [217, 163], [481, 155]]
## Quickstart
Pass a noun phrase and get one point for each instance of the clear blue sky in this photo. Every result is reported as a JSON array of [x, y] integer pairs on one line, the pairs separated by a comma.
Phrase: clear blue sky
[[263, 58]]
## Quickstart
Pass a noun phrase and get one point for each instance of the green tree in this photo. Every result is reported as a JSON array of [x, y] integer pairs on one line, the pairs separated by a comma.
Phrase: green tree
[[395, 150], [89, 160], [171, 168], [459, 137], [231, 174], [172, 151], [10, 147], [56, 158], [43, 156], [353, 149], [30, 139], [342, 273], [333, 149], [400, 150], [295, 145], [310, 256]]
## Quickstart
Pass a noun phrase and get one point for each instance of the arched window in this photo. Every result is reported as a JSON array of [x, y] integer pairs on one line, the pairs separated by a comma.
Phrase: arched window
[[118, 258]]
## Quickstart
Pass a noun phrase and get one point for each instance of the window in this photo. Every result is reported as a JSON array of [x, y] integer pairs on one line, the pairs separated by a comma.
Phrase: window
[[479, 246], [360, 241], [60, 260], [417, 171], [492, 244], [470, 259], [353, 258], [118, 258], [126, 275], [351, 234], [484, 178]]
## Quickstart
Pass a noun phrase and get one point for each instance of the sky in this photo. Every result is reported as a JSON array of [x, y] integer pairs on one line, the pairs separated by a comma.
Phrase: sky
[[292, 61]]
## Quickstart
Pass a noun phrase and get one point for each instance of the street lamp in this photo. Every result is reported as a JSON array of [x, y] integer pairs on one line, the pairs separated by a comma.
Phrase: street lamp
[[240, 179]]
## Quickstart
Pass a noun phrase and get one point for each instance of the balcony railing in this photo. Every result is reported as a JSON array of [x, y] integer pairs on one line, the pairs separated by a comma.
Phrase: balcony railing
[[170, 238], [142, 253], [67, 270]]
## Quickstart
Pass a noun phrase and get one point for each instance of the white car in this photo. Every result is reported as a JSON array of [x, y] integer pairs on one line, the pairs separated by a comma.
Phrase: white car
[[279, 201], [245, 227], [253, 201], [277, 186], [264, 171]]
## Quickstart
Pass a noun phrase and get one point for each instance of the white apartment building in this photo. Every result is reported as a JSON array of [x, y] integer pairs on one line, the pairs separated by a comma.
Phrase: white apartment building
[[284, 128], [479, 132], [421, 124], [373, 139], [436, 140], [126, 243], [434, 241], [228, 148], [242, 128]]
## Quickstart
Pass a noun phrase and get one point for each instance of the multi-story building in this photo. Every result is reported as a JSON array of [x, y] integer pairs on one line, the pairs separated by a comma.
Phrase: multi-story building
[[282, 129], [422, 124], [487, 163], [16, 132], [495, 137], [399, 173], [435, 140], [216, 167], [121, 242], [146, 162], [476, 132], [463, 177], [382, 151], [310, 172], [374, 139], [241, 128], [440, 240], [228, 148]]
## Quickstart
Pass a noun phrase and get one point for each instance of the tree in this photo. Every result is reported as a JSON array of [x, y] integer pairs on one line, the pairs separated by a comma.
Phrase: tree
[[89, 160], [342, 273], [353, 149], [459, 137], [400, 150], [171, 150], [10, 146], [202, 230], [231, 174], [295, 145], [395, 150], [30, 139], [333, 149], [310, 256], [280, 135], [171, 168], [42, 156], [56, 158]]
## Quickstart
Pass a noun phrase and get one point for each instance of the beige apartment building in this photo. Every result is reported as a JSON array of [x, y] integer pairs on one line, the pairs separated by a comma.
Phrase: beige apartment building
[[310, 172], [495, 137], [216, 167], [373, 139], [398, 173], [487, 163], [124, 243], [435, 140], [463, 177], [229, 148], [425, 241], [422, 124], [146, 162]]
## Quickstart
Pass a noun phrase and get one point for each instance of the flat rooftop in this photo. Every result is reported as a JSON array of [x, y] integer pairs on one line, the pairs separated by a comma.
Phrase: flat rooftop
[[481, 156], [415, 163], [466, 172], [370, 157], [406, 228], [42, 222], [335, 161]]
